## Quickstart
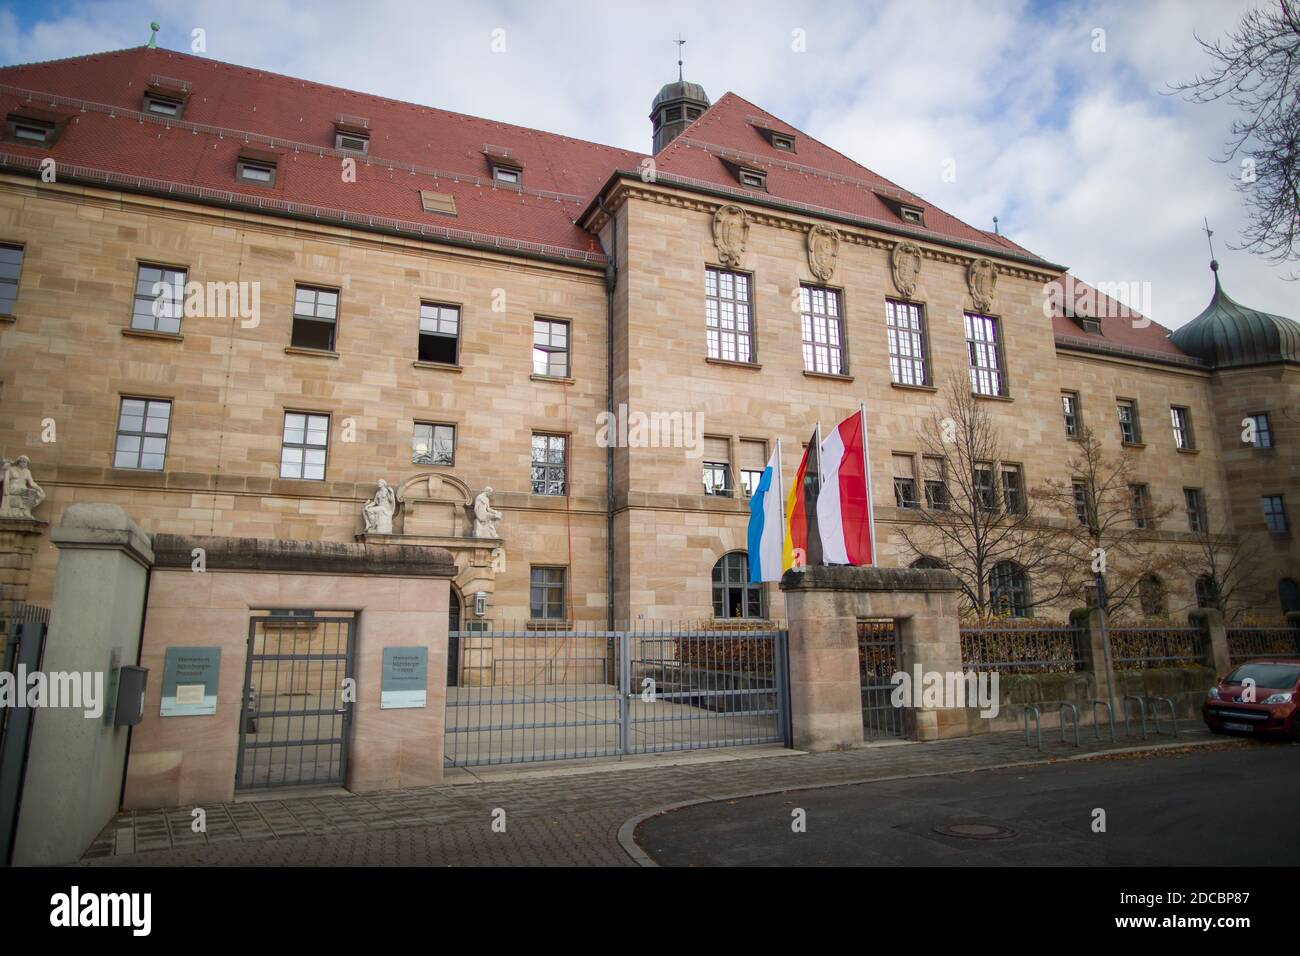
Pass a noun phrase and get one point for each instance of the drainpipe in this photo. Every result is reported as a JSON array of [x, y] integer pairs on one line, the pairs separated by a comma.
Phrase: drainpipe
[[611, 281]]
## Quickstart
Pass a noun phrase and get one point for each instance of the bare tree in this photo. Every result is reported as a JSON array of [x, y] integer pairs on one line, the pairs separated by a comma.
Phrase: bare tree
[[1107, 525], [971, 521], [1228, 570], [1257, 70]]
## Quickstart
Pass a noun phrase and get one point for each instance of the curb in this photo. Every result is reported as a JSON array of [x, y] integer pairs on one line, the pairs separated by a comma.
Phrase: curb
[[627, 832]]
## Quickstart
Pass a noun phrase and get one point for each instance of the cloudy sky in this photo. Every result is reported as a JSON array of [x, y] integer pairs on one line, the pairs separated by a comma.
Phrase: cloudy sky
[[1076, 149]]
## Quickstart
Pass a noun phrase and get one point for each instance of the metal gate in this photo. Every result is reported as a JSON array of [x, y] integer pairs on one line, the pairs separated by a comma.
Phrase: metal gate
[[24, 646], [529, 693], [878, 660], [293, 729]]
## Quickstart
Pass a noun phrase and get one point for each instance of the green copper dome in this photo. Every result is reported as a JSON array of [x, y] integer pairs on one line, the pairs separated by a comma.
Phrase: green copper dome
[[680, 90], [1227, 334]]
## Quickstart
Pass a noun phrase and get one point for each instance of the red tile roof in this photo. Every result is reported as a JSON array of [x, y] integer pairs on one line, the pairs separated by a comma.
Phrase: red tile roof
[[1123, 329], [415, 147]]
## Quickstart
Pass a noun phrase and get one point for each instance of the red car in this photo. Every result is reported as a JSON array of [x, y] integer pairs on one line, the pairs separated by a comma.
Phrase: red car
[[1259, 697]]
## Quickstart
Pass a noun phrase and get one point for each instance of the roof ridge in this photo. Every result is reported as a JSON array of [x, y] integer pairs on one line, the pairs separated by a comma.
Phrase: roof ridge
[[68, 59]]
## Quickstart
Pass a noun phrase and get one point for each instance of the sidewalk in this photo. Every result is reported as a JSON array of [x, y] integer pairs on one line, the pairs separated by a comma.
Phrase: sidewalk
[[554, 816]]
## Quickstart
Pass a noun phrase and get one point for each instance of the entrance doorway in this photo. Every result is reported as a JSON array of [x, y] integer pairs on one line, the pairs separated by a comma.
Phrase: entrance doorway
[[293, 728]]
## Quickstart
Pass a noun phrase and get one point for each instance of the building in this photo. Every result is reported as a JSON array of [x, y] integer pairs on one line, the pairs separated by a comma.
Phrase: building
[[357, 288]]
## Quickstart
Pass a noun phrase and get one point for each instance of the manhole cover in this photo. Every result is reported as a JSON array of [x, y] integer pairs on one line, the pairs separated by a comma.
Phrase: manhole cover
[[975, 831]]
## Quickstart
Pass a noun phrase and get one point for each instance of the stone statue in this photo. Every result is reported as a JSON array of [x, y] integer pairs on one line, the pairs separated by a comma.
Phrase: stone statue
[[378, 512], [486, 517], [22, 495]]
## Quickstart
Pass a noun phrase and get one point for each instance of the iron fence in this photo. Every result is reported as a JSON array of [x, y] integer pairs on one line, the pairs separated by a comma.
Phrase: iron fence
[[1139, 648], [525, 692], [25, 626], [1252, 643], [1021, 649], [878, 662]]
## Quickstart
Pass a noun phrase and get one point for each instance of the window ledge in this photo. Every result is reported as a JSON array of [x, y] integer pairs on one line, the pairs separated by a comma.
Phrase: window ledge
[[152, 334], [1189, 451], [732, 363], [836, 376], [557, 379], [317, 353], [1134, 444], [992, 398], [913, 388], [438, 366]]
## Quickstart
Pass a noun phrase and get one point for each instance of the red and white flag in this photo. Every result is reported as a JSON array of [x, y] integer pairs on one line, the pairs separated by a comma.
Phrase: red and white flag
[[844, 502]]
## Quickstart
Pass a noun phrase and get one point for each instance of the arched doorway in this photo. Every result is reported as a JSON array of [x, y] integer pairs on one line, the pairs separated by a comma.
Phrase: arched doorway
[[453, 641]]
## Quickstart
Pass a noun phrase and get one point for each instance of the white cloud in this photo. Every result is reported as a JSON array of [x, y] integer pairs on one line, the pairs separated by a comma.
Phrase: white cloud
[[1079, 153]]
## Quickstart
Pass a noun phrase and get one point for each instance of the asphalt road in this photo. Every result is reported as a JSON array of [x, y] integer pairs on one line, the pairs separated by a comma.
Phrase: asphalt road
[[1234, 807]]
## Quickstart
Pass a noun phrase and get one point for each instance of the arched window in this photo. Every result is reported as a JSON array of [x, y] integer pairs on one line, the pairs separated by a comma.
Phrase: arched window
[[1009, 589], [1288, 593], [733, 595], [1207, 592], [928, 562], [1151, 595]]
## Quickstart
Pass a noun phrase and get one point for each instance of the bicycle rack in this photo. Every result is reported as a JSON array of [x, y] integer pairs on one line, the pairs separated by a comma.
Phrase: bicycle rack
[[1155, 714], [1110, 720], [1070, 708], [1038, 724], [1142, 712]]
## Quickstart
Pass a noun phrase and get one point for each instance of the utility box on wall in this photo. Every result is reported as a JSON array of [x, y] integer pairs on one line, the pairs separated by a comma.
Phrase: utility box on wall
[[131, 681]]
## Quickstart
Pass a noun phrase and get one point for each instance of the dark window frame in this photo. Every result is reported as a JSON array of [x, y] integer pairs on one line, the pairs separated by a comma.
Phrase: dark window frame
[[151, 99], [550, 349], [143, 434], [1009, 589], [548, 467], [433, 438], [1263, 427], [894, 333], [1194, 506], [547, 584], [1275, 519], [731, 573], [978, 349], [16, 281], [50, 130], [1071, 418], [243, 166], [1134, 422], [713, 467], [1021, 504], [1180, 420], [312, 319], [1140, 504], [500, 170], [437, 333], [749, 336], [138, 297], [362, 138], [305, 445]]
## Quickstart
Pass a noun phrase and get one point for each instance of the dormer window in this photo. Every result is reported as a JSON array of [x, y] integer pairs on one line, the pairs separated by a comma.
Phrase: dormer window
[[256, 168], [783, 142], [510, 175], [30, 130], [1090, 325], [752, 178], [912, 214], [351, 142], [163, 105]]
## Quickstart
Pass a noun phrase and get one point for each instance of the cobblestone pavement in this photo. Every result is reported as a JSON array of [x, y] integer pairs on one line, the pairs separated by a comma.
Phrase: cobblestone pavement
[[566, 820]]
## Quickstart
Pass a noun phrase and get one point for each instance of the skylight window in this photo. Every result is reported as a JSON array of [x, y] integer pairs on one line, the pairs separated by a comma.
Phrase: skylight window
[[510, 175], [32, 132], [783, 142], [256, 171], [752, 178], [352, 142], [163, 105]]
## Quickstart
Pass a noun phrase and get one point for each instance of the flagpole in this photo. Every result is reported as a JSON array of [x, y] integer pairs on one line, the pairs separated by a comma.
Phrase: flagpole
[[780, 494], [817, 452], [866, 462]]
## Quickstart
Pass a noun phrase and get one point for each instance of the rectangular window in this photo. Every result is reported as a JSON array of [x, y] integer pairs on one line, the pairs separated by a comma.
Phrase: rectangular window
[[550, 465], [1070, 411], [1195, 507], [905, 495], [985, 353], [509, 175], [315, 318], [351, 142], [753, 459], [1262, 434], [29, 132], [252, 171], [717, 466], [439, 333], [1013, 490], [306, 439], [433, 444], [936, 484], [905, 327], [163, 105], [551, 348], [728, 322], [783, 142], [752, 178], [1141, 505], [546, 594], [1275, 514], [159, 299], [1181, 419], [11, 264], [1129, 432], [986, 496], [1082, 503], [142, 427], [823, 330]]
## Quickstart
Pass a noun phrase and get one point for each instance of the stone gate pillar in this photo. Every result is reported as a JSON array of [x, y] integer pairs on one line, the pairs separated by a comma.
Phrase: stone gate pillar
[[824, 605]]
